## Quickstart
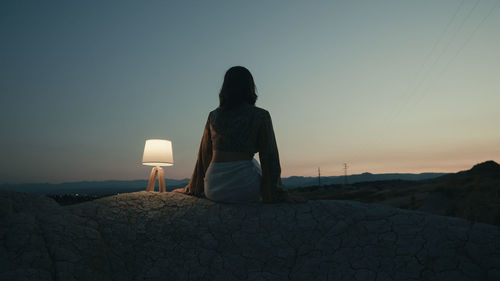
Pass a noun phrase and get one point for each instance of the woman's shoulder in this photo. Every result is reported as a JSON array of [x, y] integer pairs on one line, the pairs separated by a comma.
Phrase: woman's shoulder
[[245, 113], [213, 112], [260, 111], [247, 107]]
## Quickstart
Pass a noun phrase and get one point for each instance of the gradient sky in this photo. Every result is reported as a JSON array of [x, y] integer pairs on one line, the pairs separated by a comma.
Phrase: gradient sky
[[386, 86]]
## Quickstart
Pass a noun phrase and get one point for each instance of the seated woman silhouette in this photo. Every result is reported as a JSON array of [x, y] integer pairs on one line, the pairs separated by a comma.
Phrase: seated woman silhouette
[[225, 170]]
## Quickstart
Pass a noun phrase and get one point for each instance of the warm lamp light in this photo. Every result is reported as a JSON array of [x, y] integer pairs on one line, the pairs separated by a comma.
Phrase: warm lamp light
[[157, 153]]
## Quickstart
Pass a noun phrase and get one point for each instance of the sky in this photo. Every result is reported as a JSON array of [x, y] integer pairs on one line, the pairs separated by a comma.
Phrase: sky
[[384, 86]]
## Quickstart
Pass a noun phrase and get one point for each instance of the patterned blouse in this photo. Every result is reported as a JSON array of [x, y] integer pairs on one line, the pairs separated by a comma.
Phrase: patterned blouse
[[245, 128]]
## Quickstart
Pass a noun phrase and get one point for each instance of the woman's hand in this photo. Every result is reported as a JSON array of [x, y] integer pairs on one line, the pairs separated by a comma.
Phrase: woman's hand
[[295, 199], [179, 190]]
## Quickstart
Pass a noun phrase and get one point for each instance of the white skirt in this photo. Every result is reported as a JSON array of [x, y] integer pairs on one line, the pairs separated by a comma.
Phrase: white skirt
[[233, 182]]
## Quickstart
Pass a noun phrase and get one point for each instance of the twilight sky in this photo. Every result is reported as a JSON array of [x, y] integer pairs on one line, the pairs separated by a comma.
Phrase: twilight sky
[[386, 86]]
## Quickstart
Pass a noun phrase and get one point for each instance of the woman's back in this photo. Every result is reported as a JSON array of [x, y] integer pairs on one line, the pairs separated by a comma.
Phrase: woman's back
[[237, 129]]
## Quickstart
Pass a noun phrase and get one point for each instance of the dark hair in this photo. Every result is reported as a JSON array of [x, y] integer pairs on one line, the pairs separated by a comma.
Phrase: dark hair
[[238, 87]]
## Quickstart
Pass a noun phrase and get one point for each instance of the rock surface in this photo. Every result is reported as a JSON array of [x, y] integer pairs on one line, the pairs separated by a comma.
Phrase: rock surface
[[171, 236]]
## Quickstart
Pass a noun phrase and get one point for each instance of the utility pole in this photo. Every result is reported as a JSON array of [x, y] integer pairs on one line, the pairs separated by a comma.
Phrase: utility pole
[[319, 177], [345, 173]]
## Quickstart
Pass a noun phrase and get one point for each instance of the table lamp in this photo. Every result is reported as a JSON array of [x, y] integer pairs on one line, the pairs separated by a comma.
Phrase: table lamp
[[157, 153]]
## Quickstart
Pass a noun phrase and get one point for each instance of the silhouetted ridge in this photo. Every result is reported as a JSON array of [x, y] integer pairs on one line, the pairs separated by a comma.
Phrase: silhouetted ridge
[[490, 168]]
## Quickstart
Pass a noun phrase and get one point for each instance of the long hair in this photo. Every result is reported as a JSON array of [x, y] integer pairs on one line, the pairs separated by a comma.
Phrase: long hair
[[238, 87]]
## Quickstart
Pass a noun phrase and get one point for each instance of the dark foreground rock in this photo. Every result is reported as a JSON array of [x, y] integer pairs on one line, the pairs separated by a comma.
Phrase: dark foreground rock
[[171, 236]]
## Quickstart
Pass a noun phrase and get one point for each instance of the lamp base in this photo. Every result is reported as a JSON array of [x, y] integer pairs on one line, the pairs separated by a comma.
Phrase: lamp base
[[156, 171]]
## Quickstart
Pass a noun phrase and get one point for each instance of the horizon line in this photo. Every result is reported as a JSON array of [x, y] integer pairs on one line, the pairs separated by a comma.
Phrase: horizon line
[[182, 179]]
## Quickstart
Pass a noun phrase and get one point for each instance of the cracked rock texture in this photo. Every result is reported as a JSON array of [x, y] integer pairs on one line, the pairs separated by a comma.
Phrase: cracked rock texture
[[172, 236]]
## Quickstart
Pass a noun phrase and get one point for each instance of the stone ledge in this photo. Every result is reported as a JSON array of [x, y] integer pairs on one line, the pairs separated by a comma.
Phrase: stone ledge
[[172, 236]]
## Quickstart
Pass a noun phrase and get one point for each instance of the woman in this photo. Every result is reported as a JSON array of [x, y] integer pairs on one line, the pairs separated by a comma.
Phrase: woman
[[225, 169]]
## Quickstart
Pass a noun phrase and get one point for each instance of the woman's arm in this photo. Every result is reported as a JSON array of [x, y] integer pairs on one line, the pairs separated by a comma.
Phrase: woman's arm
[[271, 186], [195, 186]]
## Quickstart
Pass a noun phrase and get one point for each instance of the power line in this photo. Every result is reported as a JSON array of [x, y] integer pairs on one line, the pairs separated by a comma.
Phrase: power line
[[412, 92], [421, 75], [444, 50], [465, 43], [410, 89], [419, 97]]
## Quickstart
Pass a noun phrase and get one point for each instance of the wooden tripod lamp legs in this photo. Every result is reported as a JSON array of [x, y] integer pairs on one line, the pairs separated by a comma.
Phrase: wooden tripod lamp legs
[[152, 179], [161, 179]]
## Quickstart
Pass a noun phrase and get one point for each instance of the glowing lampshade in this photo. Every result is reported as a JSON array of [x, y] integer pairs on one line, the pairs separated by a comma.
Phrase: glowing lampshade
[[158, 152]]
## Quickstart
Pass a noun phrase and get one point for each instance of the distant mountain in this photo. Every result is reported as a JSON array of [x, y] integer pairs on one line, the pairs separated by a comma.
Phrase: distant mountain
[[117, 186], [295, 182], [90, 187]]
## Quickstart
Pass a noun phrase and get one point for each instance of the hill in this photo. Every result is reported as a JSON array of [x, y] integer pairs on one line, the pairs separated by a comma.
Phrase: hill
[[100, 188], [171, 236], [90, 187], [299, 182], [472, 194]]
